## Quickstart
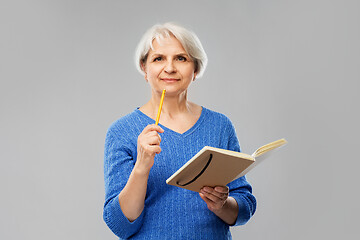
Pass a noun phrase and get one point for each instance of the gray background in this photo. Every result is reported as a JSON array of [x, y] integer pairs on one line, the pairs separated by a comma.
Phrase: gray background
[[276, 68]]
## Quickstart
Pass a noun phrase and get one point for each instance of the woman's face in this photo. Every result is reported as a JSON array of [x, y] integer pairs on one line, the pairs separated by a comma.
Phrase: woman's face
[[169, 67]]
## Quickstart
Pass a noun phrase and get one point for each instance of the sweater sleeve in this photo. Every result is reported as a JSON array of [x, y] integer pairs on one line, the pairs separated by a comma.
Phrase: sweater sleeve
[[118, 164], [240, 189]]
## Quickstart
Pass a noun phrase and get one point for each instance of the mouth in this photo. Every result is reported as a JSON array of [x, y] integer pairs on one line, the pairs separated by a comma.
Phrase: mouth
[[169, 80]]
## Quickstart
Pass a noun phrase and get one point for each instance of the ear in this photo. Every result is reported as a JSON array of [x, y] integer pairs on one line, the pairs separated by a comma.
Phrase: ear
[[196, 69], [144, 70], [142, 66], [195, 73]]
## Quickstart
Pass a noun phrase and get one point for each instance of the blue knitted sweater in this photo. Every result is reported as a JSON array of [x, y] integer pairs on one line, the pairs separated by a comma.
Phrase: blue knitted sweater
[[170, 212]]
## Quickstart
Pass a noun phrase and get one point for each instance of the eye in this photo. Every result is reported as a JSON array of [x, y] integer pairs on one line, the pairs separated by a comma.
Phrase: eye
[[157, 59], [181, 58]]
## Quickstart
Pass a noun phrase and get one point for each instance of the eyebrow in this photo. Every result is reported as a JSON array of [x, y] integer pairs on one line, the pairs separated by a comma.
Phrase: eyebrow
[[160, 54]]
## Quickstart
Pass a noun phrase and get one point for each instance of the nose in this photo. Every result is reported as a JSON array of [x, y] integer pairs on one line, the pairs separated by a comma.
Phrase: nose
[[170, 67]]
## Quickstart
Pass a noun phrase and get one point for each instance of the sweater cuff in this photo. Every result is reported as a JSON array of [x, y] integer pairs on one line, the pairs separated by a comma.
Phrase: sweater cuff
[[119, 223], [244, 211]]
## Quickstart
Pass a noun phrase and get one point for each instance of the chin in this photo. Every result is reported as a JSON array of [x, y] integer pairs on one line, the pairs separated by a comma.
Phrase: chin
[[174, 91]]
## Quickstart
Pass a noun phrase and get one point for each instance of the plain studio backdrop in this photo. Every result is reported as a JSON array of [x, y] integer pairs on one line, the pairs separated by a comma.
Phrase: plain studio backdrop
[[276, 68]]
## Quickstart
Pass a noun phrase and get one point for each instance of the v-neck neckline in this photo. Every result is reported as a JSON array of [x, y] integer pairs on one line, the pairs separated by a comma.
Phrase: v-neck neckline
[[187, 132]]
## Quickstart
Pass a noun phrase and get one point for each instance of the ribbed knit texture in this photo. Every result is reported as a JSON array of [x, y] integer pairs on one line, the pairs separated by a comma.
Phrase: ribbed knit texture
[[170, 212]]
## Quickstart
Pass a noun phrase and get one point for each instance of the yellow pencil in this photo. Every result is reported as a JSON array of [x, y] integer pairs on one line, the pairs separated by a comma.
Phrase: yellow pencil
[[161, 103]]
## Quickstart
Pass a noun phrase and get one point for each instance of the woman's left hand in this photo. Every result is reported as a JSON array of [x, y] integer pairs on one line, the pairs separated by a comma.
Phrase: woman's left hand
[[215, 197]]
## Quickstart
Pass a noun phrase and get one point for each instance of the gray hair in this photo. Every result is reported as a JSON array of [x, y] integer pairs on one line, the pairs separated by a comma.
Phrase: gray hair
[[188, 40]]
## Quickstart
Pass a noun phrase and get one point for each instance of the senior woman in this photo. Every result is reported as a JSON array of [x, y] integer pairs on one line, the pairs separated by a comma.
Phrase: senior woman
[[140, 155]]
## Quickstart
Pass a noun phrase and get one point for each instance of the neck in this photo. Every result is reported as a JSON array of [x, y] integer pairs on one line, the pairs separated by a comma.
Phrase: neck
[[172, 105]]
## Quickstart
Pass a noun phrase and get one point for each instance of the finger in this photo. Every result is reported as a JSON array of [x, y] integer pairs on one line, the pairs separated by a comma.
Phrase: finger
[[154, 140], [157, 149], [219, 191], [212, 197], [203, 197], [213, 192], [153, 127], [152, 149], [153, 134], [222, 189], [210, 204], [151, 138]]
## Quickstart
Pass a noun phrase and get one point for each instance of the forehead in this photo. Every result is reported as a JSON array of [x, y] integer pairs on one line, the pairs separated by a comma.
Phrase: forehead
[[166, 45]]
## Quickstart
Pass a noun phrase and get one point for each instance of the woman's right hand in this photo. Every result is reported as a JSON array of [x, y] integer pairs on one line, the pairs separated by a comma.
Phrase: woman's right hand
[[148, 145], [132, 197]]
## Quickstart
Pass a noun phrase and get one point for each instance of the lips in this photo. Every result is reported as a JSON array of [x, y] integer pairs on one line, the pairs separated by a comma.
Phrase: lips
[[169, 79]]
